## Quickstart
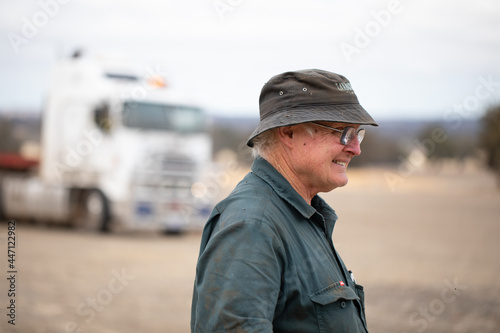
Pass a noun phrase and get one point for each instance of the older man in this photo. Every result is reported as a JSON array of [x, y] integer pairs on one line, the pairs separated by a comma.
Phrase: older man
[[267, 261]]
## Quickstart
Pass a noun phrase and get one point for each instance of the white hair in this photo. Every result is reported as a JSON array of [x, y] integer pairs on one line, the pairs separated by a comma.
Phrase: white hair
[[264, 143]]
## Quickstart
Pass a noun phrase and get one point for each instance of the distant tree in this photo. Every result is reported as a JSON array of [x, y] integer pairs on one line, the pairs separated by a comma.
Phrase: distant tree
[[443, 147], [489, 139]]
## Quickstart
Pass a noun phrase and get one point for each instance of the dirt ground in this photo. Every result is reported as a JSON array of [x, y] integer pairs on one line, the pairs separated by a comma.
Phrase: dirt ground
[[424, 244]]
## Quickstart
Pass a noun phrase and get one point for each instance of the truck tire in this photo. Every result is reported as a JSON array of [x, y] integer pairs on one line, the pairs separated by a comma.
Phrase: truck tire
[[93, 212]]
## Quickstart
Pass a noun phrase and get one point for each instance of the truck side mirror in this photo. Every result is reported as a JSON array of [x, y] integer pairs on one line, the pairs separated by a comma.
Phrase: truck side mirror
[[102, 117]]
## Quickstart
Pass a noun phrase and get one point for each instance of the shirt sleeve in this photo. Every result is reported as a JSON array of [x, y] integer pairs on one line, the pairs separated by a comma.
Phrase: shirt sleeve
[[238, 279]]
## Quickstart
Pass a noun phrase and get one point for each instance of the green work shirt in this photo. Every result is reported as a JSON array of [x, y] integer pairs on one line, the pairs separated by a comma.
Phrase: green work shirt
[[267, 264]]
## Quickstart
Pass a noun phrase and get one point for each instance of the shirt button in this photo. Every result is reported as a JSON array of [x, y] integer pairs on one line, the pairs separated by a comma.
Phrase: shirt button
[[342, 304]]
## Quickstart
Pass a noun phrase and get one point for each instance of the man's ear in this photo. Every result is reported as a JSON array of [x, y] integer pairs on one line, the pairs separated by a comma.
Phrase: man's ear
[[285, 134]]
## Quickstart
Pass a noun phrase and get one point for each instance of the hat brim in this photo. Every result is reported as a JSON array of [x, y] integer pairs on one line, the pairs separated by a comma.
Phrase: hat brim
[[345, 113]]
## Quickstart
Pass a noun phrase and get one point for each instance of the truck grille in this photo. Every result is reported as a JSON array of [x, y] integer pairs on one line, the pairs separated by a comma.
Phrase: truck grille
[[167, 171]]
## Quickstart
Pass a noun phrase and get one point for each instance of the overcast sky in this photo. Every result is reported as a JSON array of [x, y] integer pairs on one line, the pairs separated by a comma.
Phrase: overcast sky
[[404, 59]]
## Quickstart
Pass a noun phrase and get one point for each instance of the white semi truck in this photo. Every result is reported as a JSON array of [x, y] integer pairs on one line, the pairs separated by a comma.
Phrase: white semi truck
[[118, 149]]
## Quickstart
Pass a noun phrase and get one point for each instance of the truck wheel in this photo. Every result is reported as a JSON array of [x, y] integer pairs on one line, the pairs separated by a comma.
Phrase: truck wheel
[[93, 212]]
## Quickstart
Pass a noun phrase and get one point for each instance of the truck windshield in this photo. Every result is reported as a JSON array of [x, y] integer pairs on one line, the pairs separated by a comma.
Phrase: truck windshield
[[163, 117]]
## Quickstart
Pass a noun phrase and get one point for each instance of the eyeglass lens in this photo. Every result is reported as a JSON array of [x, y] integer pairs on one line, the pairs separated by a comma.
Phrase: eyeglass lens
[[349, 133]]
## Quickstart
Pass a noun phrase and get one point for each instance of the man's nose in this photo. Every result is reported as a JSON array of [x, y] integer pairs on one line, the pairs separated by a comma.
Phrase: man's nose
[[353, 147]]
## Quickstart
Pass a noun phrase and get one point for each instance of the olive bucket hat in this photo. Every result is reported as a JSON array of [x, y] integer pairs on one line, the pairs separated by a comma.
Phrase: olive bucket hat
[[305, 96]]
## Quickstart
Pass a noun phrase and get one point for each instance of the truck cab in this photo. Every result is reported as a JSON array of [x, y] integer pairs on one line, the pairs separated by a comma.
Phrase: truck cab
[[119, 149]]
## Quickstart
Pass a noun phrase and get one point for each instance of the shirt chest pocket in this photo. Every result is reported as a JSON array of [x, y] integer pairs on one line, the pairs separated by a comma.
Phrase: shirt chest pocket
[[337, 309]]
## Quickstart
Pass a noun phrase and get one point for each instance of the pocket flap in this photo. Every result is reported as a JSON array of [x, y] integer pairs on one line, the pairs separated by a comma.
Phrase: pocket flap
[[332, 294]]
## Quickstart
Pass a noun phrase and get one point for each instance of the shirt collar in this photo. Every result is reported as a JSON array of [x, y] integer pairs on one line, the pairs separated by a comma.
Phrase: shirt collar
[[264, 170]]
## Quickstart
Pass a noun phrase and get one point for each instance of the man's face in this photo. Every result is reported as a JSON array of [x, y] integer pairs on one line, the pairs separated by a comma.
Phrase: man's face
[[320, 161]]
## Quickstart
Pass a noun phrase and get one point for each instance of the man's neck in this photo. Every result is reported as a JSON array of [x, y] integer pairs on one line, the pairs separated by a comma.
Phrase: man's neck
[[285, 169]]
